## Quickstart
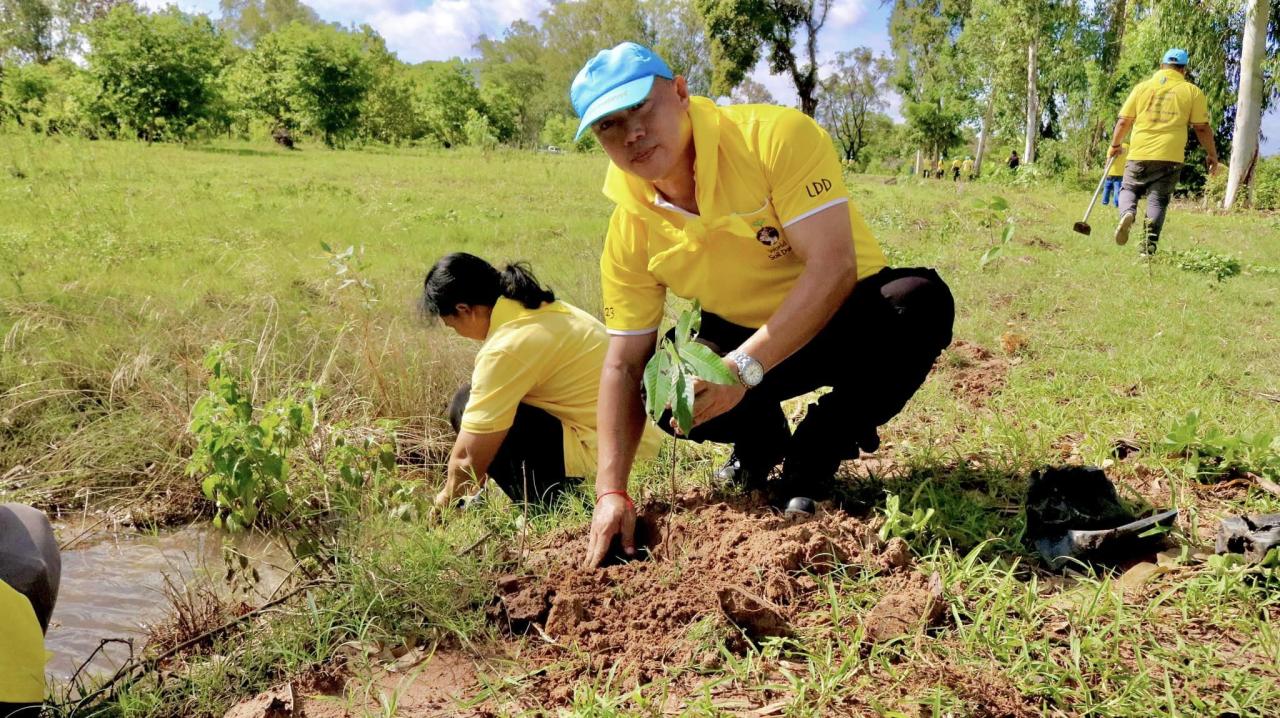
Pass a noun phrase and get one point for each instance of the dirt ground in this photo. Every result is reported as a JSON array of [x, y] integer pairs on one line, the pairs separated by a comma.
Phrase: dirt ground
[[717, 572]]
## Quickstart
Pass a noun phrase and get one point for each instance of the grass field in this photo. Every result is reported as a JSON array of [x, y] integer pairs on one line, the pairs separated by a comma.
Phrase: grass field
[[122, 264]]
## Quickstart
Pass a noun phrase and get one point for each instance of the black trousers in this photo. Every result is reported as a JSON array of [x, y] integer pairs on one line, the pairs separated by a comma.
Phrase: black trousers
[[531, 458], [874, 354]]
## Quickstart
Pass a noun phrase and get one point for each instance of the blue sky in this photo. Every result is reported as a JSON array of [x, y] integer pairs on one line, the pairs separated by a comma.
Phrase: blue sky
[[420, 30]]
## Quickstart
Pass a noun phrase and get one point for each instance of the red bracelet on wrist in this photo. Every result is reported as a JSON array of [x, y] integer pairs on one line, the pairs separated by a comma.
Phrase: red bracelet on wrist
[[630, 504]]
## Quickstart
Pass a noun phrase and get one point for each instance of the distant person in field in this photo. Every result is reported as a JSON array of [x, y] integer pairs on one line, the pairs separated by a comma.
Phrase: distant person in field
[[30, 572], [939, 168], [1115, 176], [1158, 111], [808, 304], [956, 164], [527, 419], [968, 169], [1013, 161]]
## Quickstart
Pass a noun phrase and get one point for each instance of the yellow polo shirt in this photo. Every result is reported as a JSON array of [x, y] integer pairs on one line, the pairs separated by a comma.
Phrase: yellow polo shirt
[[759, 169], [1117, 165], [1162, 107], [550, 358], [22, 653], [968, 166]]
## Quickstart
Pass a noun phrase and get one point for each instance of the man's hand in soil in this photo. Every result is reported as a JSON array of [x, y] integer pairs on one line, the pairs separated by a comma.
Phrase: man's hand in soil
[[614, 516]]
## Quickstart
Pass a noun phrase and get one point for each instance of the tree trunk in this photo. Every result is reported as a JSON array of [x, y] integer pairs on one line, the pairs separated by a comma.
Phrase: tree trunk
[[919, 159], [987, 118], [1033, 106], [1244, 144]]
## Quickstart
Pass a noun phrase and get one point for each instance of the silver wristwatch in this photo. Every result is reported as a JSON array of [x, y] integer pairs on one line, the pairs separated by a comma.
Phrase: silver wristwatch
[[750, 371]]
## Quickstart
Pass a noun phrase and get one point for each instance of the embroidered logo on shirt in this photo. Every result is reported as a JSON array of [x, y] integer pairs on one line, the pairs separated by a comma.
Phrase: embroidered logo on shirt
[[768, 236], [816, 188]]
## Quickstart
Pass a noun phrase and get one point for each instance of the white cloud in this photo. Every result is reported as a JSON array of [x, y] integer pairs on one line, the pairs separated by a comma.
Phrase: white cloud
[[442, 29], [844, 13], [204, 7]]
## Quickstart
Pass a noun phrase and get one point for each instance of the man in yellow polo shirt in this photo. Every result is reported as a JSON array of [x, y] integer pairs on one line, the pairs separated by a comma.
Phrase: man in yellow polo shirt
[[744, 209], [1158, 111], [30, 571]]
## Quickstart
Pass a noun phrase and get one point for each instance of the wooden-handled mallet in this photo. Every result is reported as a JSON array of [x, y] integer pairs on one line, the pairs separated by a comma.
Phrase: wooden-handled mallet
[[1083, 225]]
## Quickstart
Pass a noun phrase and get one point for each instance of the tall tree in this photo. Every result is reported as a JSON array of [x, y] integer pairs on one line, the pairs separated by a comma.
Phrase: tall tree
[[680, 38], [448, 95], [155, 74], [514, 65], [1244, 144], [742, 29], [851, 94], [247, 21], [750, 92], [26, 30], [923, 35]]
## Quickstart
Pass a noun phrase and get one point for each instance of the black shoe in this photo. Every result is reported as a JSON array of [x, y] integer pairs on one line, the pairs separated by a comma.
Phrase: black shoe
[[800, 507], [735, 472]]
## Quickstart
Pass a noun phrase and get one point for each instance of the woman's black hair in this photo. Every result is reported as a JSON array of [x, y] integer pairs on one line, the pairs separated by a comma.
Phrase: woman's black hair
[[462, 278]]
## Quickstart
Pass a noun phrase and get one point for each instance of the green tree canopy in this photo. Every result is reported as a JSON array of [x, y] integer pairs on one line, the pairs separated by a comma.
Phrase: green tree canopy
[[154, 74]]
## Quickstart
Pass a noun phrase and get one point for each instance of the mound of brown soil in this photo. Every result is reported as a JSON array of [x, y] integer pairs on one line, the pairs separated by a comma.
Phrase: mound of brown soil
[[713, 570], [975, 372]]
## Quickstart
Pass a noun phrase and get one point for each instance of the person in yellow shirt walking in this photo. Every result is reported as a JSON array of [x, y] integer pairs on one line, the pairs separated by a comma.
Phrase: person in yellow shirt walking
[[956, 164], [1115, 177], [968, 169], [744, 209], [1158, 110], [30, 572], [527, 419]]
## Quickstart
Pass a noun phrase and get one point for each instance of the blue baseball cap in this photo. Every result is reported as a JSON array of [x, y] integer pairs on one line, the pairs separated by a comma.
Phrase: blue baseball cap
[[1175, 56], [613, 80]]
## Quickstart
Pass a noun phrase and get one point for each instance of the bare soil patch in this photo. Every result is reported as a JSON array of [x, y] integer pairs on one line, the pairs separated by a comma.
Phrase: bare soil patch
[[716, 571], [975, 372]]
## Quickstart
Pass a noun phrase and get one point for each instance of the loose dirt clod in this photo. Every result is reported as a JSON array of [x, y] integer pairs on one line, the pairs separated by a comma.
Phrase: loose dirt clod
[[915, 604], [754, 615], [896, 554]]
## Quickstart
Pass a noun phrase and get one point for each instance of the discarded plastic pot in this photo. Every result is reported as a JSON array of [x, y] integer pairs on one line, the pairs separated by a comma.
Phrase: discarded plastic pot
[[1252, 535], [1075, 514]]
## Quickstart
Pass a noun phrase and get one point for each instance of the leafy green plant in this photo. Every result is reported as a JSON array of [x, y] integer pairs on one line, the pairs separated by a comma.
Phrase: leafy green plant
[[1220, 266], [280, 465], [898, 523], [1210, 454], [669, 376], [994, 214], [242, 452], [679, 360]]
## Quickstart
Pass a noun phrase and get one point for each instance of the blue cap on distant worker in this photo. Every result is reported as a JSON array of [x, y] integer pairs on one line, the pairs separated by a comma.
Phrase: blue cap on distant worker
[[1175, 56], [613, 80]]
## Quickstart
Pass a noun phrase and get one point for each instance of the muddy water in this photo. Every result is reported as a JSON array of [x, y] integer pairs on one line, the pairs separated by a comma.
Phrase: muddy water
[[113, 587]]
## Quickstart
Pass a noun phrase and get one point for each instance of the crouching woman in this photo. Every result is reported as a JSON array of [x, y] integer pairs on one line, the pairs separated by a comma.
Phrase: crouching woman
[[527, 419]]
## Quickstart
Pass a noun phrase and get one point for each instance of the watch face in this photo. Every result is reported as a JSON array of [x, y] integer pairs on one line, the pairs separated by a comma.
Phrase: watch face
[[752, 373]]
